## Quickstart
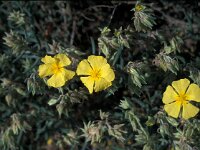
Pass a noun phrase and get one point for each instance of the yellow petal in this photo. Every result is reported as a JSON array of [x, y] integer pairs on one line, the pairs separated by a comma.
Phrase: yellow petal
[[193, 93], [189, 111], [89, 83], [169, 95], [63, 60], [107, 73], [68, 74], [84, 68], [101, 84], [97, 62], [48, 59], [57, 80], [45, 70], [181, 85], [173, 109]]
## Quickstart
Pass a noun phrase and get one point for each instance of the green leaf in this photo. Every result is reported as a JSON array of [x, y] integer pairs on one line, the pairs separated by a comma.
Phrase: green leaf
[[52, 101], [172, 121]]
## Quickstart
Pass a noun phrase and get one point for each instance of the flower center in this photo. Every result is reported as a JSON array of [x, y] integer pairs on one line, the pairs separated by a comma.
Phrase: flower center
[[181, 98], [56, 67], [95, 74]]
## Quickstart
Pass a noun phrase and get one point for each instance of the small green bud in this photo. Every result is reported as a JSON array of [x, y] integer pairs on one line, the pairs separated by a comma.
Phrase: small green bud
[[150, 121]]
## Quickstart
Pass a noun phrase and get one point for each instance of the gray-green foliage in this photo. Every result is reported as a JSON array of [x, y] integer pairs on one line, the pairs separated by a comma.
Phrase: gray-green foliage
[[17, 17], [96, 130], [15, 42], [127, 115], [143, 18]]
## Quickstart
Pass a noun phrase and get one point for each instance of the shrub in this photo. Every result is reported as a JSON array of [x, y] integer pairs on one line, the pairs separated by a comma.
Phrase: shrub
[[91, 75]]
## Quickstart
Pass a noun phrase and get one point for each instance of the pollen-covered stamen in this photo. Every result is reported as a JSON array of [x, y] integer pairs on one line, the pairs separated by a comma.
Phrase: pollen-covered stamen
[[95, 74], [182, 98], [56, 67]]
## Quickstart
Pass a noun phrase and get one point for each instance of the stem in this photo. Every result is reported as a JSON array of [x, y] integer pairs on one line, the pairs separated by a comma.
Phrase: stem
[[93, 45], [60, 89], [141, 127], [84, 145]]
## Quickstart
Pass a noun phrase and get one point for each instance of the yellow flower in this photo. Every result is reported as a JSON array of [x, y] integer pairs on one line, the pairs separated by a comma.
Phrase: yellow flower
[[49, 141], [96, 73], [139, 7], [55, 67], [177, 97]]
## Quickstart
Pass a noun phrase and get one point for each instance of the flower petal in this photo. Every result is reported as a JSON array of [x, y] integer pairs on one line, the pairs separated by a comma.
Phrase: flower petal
[[189, 111], [97, 62], [173, 109], [169, 95], [84, 68], [181, 85], [193, 93], [107, 73], [101, 84], [68, 74], [89, 83], [57, 80], [63, 60], [45, 70], [48, 59]]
